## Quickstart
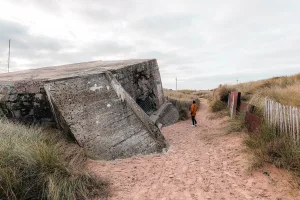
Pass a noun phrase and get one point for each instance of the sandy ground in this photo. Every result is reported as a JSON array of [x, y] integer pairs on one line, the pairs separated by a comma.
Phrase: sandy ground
[[202, 163]]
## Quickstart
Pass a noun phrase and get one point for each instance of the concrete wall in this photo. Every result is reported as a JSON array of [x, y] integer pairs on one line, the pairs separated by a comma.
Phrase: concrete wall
[[29, 104], [29, 108], [108, 125], [142, 81], [166, 115]]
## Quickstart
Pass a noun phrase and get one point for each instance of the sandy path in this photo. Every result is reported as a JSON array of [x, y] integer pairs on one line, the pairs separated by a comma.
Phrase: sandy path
[[201, 163]]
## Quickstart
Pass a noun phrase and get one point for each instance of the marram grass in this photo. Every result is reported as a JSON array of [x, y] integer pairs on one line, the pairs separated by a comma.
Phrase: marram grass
[[42, 164]]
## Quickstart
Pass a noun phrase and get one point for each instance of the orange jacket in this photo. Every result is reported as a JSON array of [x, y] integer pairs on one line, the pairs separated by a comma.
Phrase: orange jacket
[[193, 109]]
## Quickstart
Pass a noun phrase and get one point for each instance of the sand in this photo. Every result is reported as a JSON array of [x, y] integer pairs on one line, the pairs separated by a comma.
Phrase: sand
[[203, 162]]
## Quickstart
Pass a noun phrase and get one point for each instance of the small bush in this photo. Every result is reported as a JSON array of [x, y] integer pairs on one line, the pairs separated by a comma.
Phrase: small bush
[[217, 106], [268, 147], [40, 164]]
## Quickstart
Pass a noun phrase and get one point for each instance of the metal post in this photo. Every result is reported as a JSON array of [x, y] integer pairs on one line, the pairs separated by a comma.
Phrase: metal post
[[8, 56], [176, 83]]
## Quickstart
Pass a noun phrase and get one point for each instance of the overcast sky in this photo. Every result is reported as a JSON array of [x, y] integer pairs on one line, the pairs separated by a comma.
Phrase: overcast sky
[[204, 43]]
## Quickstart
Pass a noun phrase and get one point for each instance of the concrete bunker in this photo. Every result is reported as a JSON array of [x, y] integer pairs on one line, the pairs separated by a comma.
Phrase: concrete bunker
[[112, 108]]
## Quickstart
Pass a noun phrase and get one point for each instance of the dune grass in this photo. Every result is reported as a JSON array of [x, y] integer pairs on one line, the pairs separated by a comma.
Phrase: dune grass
[[269, 147], [285, 90], [236, 124], [179, 95], [186, 91], [42, 164], [217, 106]]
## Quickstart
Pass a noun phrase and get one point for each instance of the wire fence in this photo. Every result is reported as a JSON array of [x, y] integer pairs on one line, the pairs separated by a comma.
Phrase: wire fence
[[285, 119]]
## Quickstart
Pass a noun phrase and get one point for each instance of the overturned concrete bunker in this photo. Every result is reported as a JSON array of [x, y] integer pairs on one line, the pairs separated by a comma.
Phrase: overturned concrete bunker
[[112, 108]]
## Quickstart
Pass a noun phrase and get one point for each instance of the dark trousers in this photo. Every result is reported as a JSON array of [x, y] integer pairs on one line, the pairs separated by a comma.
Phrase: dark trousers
[[194, 120]]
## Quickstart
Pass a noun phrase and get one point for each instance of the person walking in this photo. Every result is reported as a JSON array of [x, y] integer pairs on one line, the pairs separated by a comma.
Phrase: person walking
[[193, 113]]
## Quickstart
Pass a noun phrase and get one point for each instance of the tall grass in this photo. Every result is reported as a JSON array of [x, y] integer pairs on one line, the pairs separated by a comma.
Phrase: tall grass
[[181, 96], [221, 93], [285, 90], [236, 124], [42, 164], [269, 147], [186, 91]]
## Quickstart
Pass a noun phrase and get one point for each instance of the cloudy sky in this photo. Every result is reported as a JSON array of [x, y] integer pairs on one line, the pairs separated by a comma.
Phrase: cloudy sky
[[204, 43]]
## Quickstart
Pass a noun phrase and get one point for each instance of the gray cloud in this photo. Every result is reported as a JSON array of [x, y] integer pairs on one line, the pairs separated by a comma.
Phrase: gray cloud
[[50, 6], [41, 50], [27, 46], [203, 43]]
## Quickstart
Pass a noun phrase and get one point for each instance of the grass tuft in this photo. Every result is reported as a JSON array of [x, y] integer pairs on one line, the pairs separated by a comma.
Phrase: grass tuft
[[237, 124], [42, 164], [268, 147]]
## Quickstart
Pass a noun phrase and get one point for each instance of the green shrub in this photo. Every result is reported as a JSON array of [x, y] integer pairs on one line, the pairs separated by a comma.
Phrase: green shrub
[[268, 147], [218, 105], [42, 164]]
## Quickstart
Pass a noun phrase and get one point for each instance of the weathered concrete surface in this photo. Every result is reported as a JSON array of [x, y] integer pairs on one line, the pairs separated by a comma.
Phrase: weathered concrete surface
[[32, 76], [144, 118], [140, 78], [166, 115], [143, 83], [104, 105], [31, 108], [100, 120]]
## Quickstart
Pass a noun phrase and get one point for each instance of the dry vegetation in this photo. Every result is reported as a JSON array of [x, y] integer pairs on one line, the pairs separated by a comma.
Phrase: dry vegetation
[[181, 95], [268, 145], [237, 124], [217, 106], [285, 90], [40, 164]]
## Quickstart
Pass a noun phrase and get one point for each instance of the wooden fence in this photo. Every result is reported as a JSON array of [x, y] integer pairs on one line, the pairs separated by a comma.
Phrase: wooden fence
[[284, 118]]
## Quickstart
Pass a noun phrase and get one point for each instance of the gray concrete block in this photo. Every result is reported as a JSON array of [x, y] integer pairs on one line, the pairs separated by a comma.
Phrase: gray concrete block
[[166, 115], [109, 118], [100, 120]]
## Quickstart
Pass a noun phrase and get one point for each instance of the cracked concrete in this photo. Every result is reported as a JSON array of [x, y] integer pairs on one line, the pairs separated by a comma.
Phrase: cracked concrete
[[104, 105]]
